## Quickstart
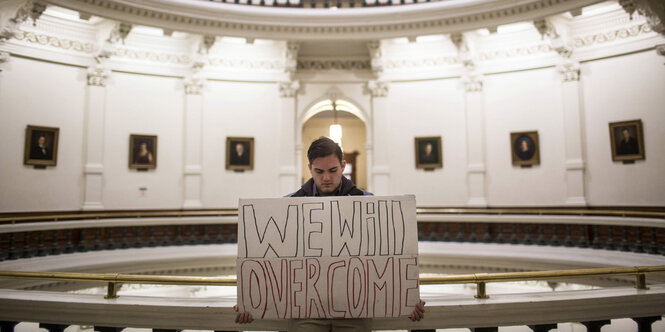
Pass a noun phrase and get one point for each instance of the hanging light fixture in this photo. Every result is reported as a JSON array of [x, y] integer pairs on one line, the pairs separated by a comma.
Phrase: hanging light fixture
[[335, 128]]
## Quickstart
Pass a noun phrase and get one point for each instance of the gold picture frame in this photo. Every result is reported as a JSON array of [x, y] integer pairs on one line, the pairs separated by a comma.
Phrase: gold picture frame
[[627, 140], [41, 146], [525, 148], [142, 151], [240, 153], [428, 152]]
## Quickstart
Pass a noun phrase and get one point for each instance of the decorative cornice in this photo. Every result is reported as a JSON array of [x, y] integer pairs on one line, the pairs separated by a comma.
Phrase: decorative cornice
[[97, 75], [242, 63], [56, 42], [410, 62], [291, 57], [333, 64], [29, 9], [378, 88], [116, 36], [145, 55], [606, 37], [514, 52], [570, 70], [289, 89], [652, 10], [204, 17]]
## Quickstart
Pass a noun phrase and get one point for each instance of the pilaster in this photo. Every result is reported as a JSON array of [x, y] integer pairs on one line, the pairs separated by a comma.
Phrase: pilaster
[[288, 165], [95, 109], [378, 155], [572, 115], [194, 84], [475, 133]]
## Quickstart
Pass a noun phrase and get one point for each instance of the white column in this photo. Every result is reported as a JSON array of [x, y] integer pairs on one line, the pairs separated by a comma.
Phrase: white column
[[95, 108], [378, 160], [572, 115], [475, 138], [193, 135], [288, 174]]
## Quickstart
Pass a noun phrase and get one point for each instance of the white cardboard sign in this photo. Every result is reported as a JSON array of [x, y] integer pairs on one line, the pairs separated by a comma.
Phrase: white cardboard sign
[[328, 257]]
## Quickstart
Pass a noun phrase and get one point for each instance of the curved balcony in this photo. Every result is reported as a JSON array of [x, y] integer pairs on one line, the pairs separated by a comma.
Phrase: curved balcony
[[452, 241], [376, 21]]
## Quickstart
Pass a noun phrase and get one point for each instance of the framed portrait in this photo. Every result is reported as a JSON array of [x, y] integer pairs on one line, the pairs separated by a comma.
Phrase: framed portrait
[[142, 151], [428, 152], [627, 140], [240, 153], [41, 146], [525, 149]]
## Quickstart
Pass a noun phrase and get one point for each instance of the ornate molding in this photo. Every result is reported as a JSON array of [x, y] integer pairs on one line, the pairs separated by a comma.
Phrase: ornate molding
[[333, 64], [605, 37], [180, 59], [558, 43], [289, 89], [200, 58], [570, 70], [420, 62], [652, 10], [46, 40], [291, 57], [30, 9], [117, 35], [472, 81], [376, 56], [97, 75], [377, 88], [194, 85], [514, 52]]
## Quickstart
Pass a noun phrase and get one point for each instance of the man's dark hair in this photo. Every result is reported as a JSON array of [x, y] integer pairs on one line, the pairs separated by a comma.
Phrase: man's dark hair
[[323, 147]]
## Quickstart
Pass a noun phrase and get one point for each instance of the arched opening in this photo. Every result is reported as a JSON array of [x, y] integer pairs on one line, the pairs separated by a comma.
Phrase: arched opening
[[317, 123]]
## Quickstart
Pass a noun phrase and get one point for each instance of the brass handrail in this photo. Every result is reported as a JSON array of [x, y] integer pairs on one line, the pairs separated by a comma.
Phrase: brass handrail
[[420, 211], [480, 279]]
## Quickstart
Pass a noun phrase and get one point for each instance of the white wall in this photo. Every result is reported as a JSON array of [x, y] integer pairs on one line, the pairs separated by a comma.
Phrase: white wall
[[619, 89], [524, 101], [246, 110], [612, 89], [428, 108], [41, 94]]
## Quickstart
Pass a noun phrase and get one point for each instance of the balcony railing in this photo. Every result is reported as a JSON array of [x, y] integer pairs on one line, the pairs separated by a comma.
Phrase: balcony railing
[[42, 234], [323, 3], [541, 311]]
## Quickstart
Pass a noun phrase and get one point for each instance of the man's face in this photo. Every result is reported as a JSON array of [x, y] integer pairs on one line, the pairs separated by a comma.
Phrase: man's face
[[428, 149], [239, 149], [626, 134], [41, 141], [327, 173], [525, 147]]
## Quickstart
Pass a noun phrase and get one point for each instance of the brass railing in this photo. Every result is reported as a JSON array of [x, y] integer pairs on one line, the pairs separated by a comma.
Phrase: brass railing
[[54, 216], [480, 279]]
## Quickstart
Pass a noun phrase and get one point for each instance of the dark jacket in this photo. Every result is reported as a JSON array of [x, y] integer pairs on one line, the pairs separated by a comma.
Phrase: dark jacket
[[346, 188]]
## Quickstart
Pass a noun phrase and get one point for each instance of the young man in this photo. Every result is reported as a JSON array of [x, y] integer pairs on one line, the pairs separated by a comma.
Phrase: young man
[[326, 166]]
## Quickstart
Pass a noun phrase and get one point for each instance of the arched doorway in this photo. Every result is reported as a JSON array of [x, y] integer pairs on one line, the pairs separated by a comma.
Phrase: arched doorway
[[317, 121]]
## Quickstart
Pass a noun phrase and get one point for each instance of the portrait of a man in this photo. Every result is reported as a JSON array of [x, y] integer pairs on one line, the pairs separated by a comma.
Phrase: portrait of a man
[[428, 152], [524, 147], [627, 140], [41, 146], [239, 153], [142, 151]]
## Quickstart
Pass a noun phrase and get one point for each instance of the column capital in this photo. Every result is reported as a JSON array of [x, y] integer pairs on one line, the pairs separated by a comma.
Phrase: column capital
[[570, 70], [289, 89], [378, 88], [473, 81], [97, 75], [194, 85]]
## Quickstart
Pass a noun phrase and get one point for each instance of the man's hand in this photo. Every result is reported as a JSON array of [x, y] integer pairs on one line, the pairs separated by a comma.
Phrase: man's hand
[[418, 312], [244, 317]]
